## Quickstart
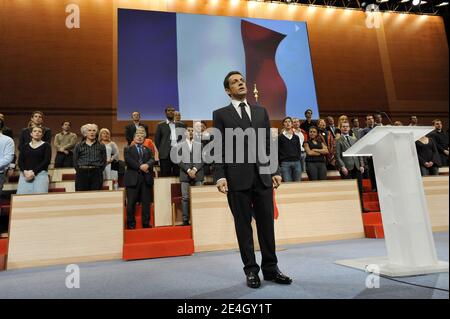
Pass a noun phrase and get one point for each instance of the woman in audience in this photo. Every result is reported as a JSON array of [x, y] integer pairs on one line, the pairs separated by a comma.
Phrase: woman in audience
[[428, 155], [316, 150], [289, 153], [148, 142], [112, 154], [34, 160]]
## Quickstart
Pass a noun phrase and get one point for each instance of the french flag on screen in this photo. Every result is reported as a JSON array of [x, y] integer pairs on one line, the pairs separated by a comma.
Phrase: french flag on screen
[[181, 60]]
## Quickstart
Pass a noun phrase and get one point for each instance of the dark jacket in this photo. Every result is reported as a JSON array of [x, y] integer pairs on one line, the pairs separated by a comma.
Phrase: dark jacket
[[240, 175], [25, 136], [133, 163], [162, 138]]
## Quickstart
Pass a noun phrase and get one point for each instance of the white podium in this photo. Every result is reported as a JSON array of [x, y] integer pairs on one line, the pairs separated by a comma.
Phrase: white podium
[[407, 230]]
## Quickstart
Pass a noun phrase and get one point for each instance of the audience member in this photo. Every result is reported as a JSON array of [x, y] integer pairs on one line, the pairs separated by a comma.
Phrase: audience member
[[413, 121], [398, 123], [130, 129], [37, 119], [428, 155], [5, 130], [330, 126], [356, 130], [342, 119], [138, 180], [330, 142], [350, 167], [165, 139], [440, 138], [64, 143], [6, 155], [378, 119], [89, 159], [316, 150], [303, 136], [191, 169], [148, 142], [289, 153], [112, 154], [370, 124], [308, 121], [34, 159]]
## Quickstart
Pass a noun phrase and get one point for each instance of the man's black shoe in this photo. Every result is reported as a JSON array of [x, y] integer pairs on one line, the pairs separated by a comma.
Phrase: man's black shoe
[[278, 278], [253, 280]]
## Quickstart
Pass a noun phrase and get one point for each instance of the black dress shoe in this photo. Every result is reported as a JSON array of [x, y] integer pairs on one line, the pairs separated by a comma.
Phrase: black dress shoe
[[131, 226], [253, 280], [186, 224], [279, 278]]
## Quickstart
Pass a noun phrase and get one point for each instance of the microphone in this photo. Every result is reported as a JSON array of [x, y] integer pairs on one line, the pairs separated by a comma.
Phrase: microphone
[[387, 116]]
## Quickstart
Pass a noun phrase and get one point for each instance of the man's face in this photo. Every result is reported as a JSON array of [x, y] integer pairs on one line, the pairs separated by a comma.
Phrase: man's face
[[66, 126], [378, 118], [238, 87], [322, 125], [287, 124], [438, 125], [308, 115], [198, 127], [414, 120], [190, 133], [2, 117], [355, 123], [170, 113], [37, 119], [345, 128], [177, 116], [274, 132], [139, 138], [369, 120], [136, 116], [91, 134], [296, 123], [330, 120]]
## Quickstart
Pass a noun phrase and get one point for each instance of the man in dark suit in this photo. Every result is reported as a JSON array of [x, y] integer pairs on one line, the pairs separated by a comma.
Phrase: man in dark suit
[[138, 180], [37, 119], [350, 167], [249, 189], [130, 129], [191, 169], [330, 126], [166, 138]]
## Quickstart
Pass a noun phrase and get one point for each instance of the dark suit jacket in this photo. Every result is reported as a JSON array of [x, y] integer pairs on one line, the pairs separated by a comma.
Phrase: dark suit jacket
[[240, 175], [132, 161], [130, 129], [162, 138], [349, 162], [186, 165]]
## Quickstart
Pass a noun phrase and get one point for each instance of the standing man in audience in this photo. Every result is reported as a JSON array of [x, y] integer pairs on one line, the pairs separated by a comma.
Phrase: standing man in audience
[[248, 188], [130, 129], [138, 180], [191, 169], [413, 121], [64, 144], [6, 154], [177, 118], [378, 119], [350, 167], [89, 159], [356, 130], [330, 126], [37, 119], [440, 138], [308, 122], [165, 139], [370, 124], [5, 130]]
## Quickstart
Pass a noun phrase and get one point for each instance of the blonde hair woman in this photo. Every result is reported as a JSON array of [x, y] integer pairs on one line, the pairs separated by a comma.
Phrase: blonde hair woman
[[112, 154]]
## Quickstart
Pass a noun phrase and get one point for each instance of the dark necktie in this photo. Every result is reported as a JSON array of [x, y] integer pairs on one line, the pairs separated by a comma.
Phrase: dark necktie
[[245, 117], [139, 148], [348, 140]]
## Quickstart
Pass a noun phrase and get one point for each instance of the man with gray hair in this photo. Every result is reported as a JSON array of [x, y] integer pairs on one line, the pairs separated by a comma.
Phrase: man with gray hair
[[89, 159]]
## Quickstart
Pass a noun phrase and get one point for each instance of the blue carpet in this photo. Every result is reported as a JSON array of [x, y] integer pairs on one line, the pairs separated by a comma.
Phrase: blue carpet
[[220, 275]]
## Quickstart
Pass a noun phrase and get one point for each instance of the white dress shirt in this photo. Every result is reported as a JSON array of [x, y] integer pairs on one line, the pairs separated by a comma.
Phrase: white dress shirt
[[238, 108], [173, 134]]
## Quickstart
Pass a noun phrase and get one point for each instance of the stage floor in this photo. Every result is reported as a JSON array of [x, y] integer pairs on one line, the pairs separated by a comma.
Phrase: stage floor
[[219, 275]]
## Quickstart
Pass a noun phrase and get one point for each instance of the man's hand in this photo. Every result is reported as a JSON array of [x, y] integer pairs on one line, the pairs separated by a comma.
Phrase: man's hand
[[344, 171], [276, 181], [66, 152], [428, 164], [10, 172], [192, 173], [446, 152], [361, 169], [222, 186], [144, 168]]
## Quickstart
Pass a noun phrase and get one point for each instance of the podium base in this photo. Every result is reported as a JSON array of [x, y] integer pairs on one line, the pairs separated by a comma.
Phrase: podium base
[[382, 266]]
